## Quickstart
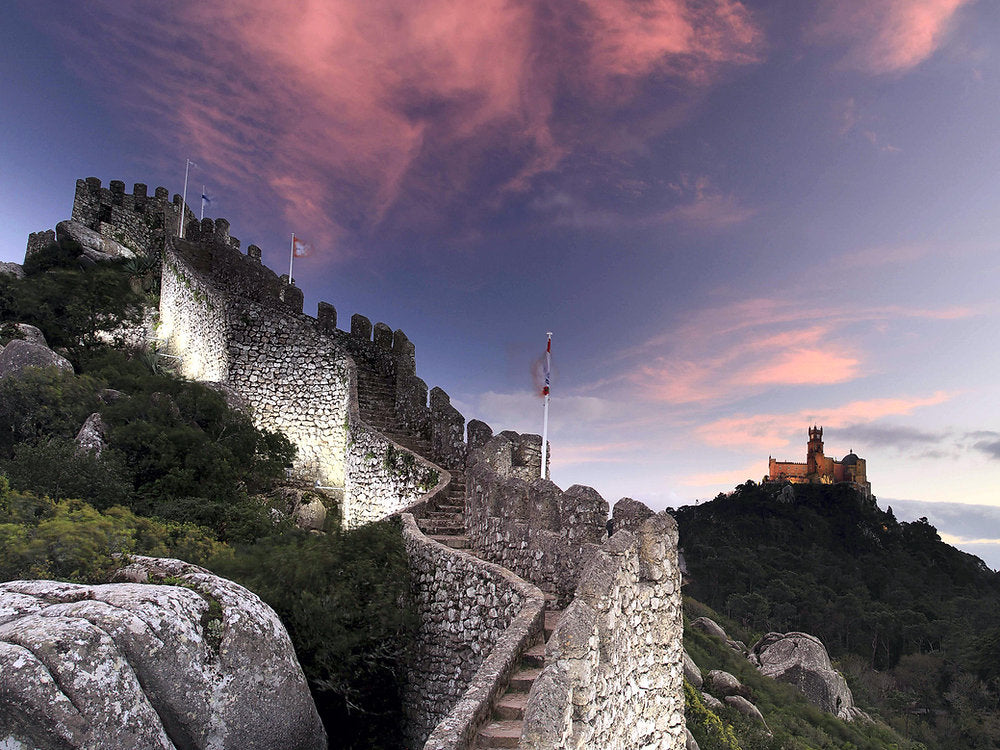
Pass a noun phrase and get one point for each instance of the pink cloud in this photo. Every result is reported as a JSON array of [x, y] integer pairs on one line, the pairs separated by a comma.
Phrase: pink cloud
[[352, 110], [750, 346], [770, 431], [885, 36]]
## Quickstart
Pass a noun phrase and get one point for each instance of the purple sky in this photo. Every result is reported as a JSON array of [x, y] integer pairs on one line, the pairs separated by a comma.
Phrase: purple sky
[[737, 219]]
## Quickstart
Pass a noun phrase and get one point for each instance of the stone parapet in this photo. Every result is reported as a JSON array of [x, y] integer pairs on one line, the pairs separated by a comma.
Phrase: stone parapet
[[614, 668], [447, 427], [527, 524], [476, 621]]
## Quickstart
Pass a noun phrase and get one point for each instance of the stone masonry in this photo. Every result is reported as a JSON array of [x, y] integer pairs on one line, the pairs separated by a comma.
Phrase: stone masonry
[[613, 675], [527, 524], [229, 319], [469, 610]]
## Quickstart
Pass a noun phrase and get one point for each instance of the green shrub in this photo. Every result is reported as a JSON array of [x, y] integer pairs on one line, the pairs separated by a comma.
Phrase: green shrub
[[56, 467], [71, 540], [42, 403]]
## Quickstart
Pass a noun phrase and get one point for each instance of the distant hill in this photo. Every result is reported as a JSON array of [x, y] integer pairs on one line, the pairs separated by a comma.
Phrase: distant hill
[[914, 622]]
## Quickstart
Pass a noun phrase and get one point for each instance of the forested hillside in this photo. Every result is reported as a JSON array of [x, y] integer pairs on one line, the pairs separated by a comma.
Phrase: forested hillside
[[913, 622], [181, 474]]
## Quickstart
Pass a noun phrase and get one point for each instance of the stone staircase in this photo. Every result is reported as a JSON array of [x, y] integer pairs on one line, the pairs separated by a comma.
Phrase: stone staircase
[[445, 523], [508, 713]]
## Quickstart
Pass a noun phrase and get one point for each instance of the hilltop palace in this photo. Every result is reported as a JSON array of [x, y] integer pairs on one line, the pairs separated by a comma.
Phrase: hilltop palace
[[819, 468]]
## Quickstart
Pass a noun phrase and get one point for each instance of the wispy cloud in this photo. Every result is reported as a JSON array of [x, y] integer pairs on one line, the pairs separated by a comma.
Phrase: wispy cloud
[[987, 442], [703, 205], [745, 347], [521, 411], [609, 453], [888, 255], [693, 203], [775, 430], [850, 118], [884, 36], [895, 436], [354, 113]]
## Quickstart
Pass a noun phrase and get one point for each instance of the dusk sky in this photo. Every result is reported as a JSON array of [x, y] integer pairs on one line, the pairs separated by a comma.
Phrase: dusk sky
[[737, 219]]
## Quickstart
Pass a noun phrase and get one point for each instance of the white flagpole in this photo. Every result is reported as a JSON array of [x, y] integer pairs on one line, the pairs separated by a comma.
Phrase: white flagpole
[[291, 257], [545, 413], [187, 166], [202, 217]]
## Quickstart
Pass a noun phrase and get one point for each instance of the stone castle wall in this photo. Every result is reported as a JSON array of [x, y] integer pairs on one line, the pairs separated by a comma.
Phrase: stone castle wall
[[230, 319], [527, 524], [613, 676], [476, 621]]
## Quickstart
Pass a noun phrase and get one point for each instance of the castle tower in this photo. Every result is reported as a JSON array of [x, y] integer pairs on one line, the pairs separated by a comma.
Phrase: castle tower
[[814, 452]]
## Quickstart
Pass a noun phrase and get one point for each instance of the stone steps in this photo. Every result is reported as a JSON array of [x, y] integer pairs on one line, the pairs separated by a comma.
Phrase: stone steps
[[504, 730], [510, 707], [500, 733], [454, 541], [434, 526]]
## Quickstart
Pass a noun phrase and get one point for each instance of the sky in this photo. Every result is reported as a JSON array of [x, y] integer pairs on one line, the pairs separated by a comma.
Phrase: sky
[[737, 219]]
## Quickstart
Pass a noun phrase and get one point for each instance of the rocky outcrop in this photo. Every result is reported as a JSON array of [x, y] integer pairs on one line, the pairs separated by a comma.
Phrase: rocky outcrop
[[691, 672], [13, 269], [801, 660], [746, 708], [711, 701], [310, 515], [200, 663], [234, 400], [19, 355], [92, 437], [709, 627], [94, 246], [30, 333], [723, 684]]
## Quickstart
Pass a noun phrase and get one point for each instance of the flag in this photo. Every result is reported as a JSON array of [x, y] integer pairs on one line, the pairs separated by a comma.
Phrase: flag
[[300, 249], [548, 366]]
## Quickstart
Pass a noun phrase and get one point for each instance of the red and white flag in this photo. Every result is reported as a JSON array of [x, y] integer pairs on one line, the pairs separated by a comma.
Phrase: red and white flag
[[548, 366], [300, 248]]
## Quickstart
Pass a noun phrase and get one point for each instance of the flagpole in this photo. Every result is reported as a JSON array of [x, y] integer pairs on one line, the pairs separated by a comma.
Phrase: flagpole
[[187, 166], [291, 257], [545, 391]]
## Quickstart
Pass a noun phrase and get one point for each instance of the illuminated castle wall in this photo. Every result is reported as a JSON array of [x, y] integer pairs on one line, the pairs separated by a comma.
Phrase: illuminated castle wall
[[820, 468]]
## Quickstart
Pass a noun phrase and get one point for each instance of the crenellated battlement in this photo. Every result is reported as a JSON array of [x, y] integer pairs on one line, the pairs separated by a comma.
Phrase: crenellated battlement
[[137, 220]]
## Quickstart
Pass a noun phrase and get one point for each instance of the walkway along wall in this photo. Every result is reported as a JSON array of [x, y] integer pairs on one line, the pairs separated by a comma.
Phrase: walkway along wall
[[613, 676], [476, 621]]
